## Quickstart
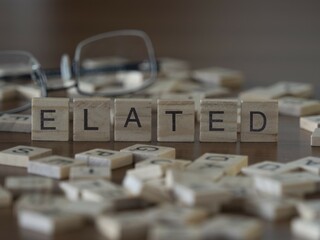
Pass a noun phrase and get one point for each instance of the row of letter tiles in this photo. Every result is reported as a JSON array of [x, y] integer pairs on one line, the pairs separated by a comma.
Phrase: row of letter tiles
[[133, 120]]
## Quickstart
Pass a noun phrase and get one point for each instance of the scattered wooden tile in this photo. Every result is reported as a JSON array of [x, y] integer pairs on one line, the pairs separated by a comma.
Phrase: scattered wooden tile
[[310, 123], [209, 170], [175, 215], [259, 121], [306, 229], [29, 91], [129, 225], [231, 164], [86, 209], [49, 221], [310, 164], [315, 137], [5, 198], [40, 201], [296, 89], [295, 183], [15, 123], [132, 120], [267, 168], [156, 191], [135, 179], [28, 183], [218, 120], [165, 231], [309, 209], [91, 119], [142, 152], [53, 166], [219, 76], [165, 163], [172, 67], [199, 193], [269, 207], [74, 189], [243, 227], [240, 186], [19, 156], [50, 119], [258, 94], [106, 158], [176, 121], [298, 106], [85, 172]]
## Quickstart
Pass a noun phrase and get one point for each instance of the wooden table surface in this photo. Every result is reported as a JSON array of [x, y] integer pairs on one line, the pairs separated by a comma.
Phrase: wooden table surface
[[268, 42]]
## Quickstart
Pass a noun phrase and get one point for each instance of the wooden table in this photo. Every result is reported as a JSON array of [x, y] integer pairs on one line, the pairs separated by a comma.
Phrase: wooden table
[[269, 43]]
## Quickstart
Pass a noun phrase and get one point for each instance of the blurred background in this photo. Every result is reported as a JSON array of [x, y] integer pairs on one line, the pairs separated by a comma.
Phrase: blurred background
[[269, 41]]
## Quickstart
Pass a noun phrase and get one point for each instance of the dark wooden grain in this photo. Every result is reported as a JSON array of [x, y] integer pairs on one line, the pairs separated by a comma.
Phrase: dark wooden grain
[[269, 41]]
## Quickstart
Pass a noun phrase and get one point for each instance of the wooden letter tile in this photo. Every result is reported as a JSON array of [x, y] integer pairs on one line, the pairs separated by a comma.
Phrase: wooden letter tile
[[28, 183], [53, 166], [142, 152], [106, 158], [50, 119], [84, 172], [132, 120], [218, 120], [259, 121], [315, 137], [176, 120], [310, 164], [267, 168], [298, 106], [20, 156], [49, 221], [230, 164], [310, 123], [165, 163], [91, 119], [15, 123]]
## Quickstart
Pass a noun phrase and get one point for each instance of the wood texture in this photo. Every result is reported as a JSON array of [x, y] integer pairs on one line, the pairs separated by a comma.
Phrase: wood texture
[[218, 120], [176, 121], [19, 156], [132, 120], [259, 121], [50, 119], [91, 119], [315, 137]]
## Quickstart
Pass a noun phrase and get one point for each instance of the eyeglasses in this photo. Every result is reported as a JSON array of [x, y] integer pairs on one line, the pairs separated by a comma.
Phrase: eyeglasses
[[106, 65]]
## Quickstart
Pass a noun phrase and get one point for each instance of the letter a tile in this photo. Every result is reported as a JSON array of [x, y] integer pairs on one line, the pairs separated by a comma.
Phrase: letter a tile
[[132, 120]]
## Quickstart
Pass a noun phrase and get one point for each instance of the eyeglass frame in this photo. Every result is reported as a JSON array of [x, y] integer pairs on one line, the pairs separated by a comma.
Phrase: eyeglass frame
[[66, 71]]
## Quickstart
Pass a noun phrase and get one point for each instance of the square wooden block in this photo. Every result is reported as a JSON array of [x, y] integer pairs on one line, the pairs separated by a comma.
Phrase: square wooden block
[[20, 156], [310, 123], [142, 152], [50, 119], [133, 120], [294, 106], [85, 172], [218, 120], [315, 137], [230, 164], [106, 158], [176, 120], [49, 221], [28, 183], [259, 121], [267, 168], [91, 119], [54, 166], [15, 123]]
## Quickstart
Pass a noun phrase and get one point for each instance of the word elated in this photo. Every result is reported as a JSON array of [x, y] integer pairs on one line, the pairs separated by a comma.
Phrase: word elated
[[131, 119]]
